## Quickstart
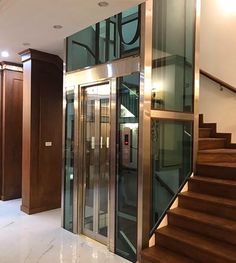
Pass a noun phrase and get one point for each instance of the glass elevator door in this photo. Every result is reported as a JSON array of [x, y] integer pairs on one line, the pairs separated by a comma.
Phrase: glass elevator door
[[96, 144]]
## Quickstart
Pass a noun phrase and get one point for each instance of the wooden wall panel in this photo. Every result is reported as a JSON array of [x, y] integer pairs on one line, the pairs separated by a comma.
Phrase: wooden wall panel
[[11, 134], [26, 135], [42, 165]]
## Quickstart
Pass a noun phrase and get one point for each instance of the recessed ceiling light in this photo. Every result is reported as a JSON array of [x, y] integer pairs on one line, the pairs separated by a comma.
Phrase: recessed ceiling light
[[26, 44], [57, 27], [103, 4], [5, 54]]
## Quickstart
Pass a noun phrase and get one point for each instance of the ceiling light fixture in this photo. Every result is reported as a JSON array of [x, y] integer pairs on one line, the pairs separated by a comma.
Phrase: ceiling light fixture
[[103, 4], [5, 54], [57, 26]]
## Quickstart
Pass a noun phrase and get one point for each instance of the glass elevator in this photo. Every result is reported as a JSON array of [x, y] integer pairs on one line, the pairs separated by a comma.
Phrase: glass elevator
[[130, 119]]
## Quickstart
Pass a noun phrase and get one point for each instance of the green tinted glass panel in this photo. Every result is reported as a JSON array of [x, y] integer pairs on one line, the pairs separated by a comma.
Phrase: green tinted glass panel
[[171, 162], [81, 49], [127, 175], [69, 162], [173, 38], [113, 38], [129, 31]]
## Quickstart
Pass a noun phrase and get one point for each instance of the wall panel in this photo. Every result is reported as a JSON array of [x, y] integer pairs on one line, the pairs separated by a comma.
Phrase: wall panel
[[42, 131], [11, 134]]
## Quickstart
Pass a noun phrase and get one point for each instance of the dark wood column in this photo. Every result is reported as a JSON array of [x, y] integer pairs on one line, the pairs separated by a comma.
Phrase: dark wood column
[[42, 131], [11, 79]]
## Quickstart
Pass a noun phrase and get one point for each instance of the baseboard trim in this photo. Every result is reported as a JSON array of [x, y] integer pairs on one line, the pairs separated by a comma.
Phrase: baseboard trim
[[9, 197], [31, 211]]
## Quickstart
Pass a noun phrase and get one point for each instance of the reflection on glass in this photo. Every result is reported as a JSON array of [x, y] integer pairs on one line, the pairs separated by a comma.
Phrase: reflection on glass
[[129, 31], [113, 38], [90, 158], [126, 216], [69, 162], [171, 161], [104, 166], [96, 113], [173, 38]]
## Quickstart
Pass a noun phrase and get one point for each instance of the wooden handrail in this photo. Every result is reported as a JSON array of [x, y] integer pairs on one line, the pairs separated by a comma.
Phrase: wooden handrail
[[220, 82]]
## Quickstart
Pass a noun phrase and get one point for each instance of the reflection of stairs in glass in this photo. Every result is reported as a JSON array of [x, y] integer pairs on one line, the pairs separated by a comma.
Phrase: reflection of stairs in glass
[[129, 99], [127, 236], [88, 218], [203, 226], [129, 243]]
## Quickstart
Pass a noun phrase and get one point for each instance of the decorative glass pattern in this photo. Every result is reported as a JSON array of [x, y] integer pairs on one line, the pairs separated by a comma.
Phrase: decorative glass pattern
[[113, 38]]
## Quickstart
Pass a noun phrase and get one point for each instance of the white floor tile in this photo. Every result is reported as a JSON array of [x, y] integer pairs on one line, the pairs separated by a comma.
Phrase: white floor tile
[[40, 239]]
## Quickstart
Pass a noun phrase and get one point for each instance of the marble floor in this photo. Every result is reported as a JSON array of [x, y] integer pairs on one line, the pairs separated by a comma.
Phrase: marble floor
[[40, 239]]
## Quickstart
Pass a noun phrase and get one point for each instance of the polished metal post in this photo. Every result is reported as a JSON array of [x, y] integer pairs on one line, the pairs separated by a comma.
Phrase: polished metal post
[[112, 180], [63, 137], [75, 182], [196, 82], [144, 177], [63, 143], [80, 160]]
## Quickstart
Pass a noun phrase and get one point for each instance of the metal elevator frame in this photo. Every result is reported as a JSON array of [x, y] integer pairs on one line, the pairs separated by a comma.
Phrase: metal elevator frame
[[109, 72]]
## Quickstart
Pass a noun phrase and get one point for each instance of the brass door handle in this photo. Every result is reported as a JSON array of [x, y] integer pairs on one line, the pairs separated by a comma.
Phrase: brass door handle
[[101, 142], [108, 142], [92, 143]]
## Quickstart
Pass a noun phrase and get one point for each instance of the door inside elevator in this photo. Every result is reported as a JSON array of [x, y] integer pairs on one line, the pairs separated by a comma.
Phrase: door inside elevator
[[96, 164]]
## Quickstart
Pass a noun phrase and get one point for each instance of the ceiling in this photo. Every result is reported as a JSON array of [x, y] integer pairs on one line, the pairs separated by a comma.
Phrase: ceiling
[[31, 21]]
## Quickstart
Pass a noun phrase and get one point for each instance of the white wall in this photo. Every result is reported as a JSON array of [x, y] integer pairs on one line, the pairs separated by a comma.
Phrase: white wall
[[218, 39], [218, 57], [218, 106]]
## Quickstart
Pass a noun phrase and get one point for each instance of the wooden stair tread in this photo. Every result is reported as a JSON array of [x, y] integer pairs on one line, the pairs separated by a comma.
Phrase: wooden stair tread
[[225, 188], [163, 255], [205, 132], [198, 241], [223, 150], [220, 170], [230, 183], [203, 128], [210, 198], [212, 220], [231, 165], [207, 143], [208, 125], [212, 139]]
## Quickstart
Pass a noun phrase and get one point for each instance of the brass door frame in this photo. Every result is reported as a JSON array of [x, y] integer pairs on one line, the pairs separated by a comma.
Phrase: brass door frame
[[107, 72], [92, 234]]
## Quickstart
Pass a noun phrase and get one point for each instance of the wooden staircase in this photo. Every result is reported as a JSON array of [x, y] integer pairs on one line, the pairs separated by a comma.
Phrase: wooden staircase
[[203, 226]]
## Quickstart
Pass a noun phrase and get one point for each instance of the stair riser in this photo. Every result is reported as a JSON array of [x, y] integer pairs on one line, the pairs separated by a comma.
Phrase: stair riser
[[226, 191], [222, 234], [144, 260], [189, 250], [207, 207], [211, 144], [217, 172], [216, 157], [205, 133], [161, 255]]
